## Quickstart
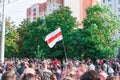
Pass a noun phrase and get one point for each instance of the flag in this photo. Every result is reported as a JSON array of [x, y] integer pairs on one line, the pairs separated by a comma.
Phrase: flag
[[54, 37]]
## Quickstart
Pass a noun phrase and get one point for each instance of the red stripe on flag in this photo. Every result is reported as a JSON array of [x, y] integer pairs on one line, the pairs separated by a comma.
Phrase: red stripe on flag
[[54, 37]]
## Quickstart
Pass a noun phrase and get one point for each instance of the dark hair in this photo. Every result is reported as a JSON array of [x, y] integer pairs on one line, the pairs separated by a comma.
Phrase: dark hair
[[112, 78], [90, 75], [22, 64], [103, 67], [8, 76]]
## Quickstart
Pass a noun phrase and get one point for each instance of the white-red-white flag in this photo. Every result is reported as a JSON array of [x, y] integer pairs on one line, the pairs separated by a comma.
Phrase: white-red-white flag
[[54, 37]]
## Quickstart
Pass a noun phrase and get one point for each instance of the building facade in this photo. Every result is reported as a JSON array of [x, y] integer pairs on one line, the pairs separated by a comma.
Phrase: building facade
[[115, 8], [42, 9], [84, 5], [113, 4], [78, 8]]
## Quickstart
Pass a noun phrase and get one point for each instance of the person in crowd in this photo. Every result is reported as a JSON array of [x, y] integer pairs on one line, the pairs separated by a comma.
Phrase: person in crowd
[[8, 76], [46, 72], [12, 70], [55, 62], [68, 78], [22, 68], [90, 75], [112, 78], [29, 70], [53, 77], [28, 76], [69, 71], [39, 74], [82, 68], [103, 72], [115, 66], [56, 72], [91, 66], [110, 71], [105, 65]]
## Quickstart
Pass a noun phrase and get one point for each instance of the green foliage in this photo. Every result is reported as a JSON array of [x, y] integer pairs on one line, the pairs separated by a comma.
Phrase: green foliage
[[61, 18], [11, 38], [34, 33], [100, 27], [96, 40], [31, 34]]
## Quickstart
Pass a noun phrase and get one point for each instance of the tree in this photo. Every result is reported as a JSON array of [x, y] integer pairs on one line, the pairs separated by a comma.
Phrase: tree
[[100, 27], [11, 38], [31, 34], [61, 18], [22, 32]]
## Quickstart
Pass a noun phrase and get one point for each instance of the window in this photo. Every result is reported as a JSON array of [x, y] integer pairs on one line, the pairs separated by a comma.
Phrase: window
[[118, 16], [49, 9], [110, 5], [103, 1], [34, 18], [118, 1], [34, 10], [109, 0], [34, 14], [118, 9]]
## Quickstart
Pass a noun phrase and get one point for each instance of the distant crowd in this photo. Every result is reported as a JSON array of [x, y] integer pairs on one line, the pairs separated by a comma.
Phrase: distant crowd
[[53, 69]]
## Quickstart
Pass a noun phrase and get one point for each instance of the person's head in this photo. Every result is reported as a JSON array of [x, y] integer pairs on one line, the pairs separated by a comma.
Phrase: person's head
[[102, 68], [70, 66], [68, 78], [104, 61], [112, 78], [39, 74], [53, 77], [82, 68], [8, 76], [45, 65], [11, 69], [22, 64], [32, 65], [28, 76], [90, 75], [29, 70]]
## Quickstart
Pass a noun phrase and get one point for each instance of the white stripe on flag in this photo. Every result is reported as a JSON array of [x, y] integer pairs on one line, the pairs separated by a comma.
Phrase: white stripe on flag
[[54, 37]]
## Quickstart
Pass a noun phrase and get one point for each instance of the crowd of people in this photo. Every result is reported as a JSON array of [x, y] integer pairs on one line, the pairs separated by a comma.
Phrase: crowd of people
[[53, 69]]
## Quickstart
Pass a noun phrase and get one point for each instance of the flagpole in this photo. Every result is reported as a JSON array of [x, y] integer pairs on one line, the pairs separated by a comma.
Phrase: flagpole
[[3, 32], [64, 51]]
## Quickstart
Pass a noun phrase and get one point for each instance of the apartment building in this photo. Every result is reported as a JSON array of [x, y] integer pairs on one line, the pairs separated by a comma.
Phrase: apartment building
[[113, 4], [115, 8], [42, 9], [53, 5], [78, 8]]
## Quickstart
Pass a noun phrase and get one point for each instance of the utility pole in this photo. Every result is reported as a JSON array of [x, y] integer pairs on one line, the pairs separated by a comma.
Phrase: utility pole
[[3, 32]]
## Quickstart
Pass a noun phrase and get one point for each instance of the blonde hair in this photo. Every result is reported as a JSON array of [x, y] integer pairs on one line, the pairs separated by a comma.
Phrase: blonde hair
[[68, 78], [8, 76]]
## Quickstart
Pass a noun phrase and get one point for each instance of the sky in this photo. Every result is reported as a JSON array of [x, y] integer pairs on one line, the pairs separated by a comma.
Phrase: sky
[[16, 9]]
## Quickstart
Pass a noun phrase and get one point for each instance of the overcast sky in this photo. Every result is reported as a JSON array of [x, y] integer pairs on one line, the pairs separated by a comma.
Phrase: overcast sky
[[17, 9]]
